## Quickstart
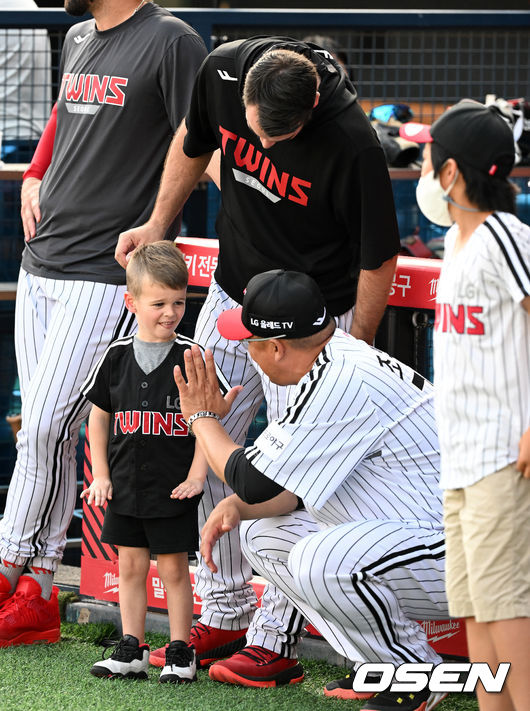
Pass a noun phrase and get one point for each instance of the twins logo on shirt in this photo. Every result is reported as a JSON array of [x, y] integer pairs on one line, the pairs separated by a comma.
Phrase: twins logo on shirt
[[148, 422], [260, 172], [464, 320], [86, 93]]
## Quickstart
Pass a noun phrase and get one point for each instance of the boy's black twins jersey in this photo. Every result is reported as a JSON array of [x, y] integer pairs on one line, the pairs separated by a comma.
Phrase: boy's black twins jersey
[[320, 203], [150, 449]]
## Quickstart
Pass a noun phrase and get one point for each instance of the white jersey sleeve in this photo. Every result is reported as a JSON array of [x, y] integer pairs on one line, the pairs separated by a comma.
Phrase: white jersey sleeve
[[510, 254], [330, 426]]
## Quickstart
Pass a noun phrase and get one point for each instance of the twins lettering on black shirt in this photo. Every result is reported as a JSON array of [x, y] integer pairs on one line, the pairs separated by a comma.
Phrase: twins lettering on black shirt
[[262, 174]]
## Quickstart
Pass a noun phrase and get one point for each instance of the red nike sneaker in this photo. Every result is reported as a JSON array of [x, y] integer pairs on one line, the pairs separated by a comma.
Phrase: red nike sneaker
[[27, 618], [210, 645], [256, 666], [5, 590]]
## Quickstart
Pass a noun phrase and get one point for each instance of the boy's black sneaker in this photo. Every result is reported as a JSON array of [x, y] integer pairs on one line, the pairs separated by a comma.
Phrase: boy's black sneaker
[[424, 700], [181, 664], [129, 660]]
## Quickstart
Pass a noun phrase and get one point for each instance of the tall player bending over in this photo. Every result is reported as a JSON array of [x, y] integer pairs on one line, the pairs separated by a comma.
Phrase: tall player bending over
[[482, 386], [136, 468], [358, 445]]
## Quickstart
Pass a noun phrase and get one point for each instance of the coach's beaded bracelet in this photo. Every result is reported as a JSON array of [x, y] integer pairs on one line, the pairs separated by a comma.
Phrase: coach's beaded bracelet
[[197, 415]]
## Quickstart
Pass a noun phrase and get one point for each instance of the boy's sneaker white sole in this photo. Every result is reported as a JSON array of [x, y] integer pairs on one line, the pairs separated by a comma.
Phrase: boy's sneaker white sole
[[128, 661], [181, 664]]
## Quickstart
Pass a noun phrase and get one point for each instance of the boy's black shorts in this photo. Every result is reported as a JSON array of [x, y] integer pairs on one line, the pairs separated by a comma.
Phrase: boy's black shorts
[[175, 534]]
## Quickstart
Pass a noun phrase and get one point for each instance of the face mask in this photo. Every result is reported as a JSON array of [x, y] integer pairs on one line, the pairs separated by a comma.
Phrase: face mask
[[432, 199]]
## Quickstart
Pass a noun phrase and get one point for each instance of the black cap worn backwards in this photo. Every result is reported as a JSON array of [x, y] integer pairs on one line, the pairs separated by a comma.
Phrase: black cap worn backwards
[[277, 304], [471, 132]]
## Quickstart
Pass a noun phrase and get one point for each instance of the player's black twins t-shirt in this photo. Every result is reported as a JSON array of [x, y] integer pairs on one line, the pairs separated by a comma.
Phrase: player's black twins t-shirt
[[150, 449], [320, 203]]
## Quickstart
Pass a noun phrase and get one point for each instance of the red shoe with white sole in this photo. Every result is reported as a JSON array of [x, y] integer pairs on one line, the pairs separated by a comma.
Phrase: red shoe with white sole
[[210, 645], [27, 618], [256, 666]]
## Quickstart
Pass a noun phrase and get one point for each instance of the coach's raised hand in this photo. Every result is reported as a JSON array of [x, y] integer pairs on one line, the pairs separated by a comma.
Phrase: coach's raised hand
[[201, 392]]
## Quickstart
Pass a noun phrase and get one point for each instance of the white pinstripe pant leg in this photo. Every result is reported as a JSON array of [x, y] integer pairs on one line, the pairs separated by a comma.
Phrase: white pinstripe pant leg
[[312, 568], [278, 623], [228, 600], [61, 330], [371, 581]]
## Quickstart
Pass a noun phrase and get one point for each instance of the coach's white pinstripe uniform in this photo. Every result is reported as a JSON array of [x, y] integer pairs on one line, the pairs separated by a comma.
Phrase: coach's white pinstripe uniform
[[228, 600], [483, 401], [366, 559]]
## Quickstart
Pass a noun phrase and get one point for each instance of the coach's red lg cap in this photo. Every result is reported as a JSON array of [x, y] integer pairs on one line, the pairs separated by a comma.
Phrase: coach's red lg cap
[[472, 133], [277, 304]]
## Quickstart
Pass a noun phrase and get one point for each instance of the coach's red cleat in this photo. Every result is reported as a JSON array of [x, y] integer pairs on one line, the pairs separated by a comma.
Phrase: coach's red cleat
[[343, 688], [27, 618], [256, 666], [158, 656], [5, 590], [210, 645]]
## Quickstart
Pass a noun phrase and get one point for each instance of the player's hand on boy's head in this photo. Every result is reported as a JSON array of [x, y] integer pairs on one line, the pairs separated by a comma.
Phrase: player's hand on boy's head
[[201, 391], [129, 240], [98, 492], [523, 461], [187, 489]]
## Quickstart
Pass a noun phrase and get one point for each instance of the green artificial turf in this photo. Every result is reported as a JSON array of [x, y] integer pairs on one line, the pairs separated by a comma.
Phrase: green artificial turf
[[56, 678]]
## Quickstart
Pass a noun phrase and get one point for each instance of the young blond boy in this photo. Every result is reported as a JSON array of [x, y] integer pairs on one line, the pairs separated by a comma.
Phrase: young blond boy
[[145, 463]]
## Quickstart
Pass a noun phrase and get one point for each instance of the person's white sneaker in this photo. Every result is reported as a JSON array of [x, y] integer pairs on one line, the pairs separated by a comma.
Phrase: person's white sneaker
[[129, 660], [181, 664]]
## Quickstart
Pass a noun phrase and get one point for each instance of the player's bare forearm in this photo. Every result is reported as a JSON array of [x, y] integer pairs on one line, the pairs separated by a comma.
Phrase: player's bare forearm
[[215, 443], [231, 511], [201, 393], [213, 171], [372, 296], [181, 174], [523, 461]]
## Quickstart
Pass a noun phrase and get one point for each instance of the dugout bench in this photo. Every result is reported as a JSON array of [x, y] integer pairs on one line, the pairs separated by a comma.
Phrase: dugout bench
[[406, 332]]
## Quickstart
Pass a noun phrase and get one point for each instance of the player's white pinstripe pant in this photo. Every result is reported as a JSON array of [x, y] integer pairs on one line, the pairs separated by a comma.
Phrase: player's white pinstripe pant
[[228, 600], [61, 330], [362, 584]]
